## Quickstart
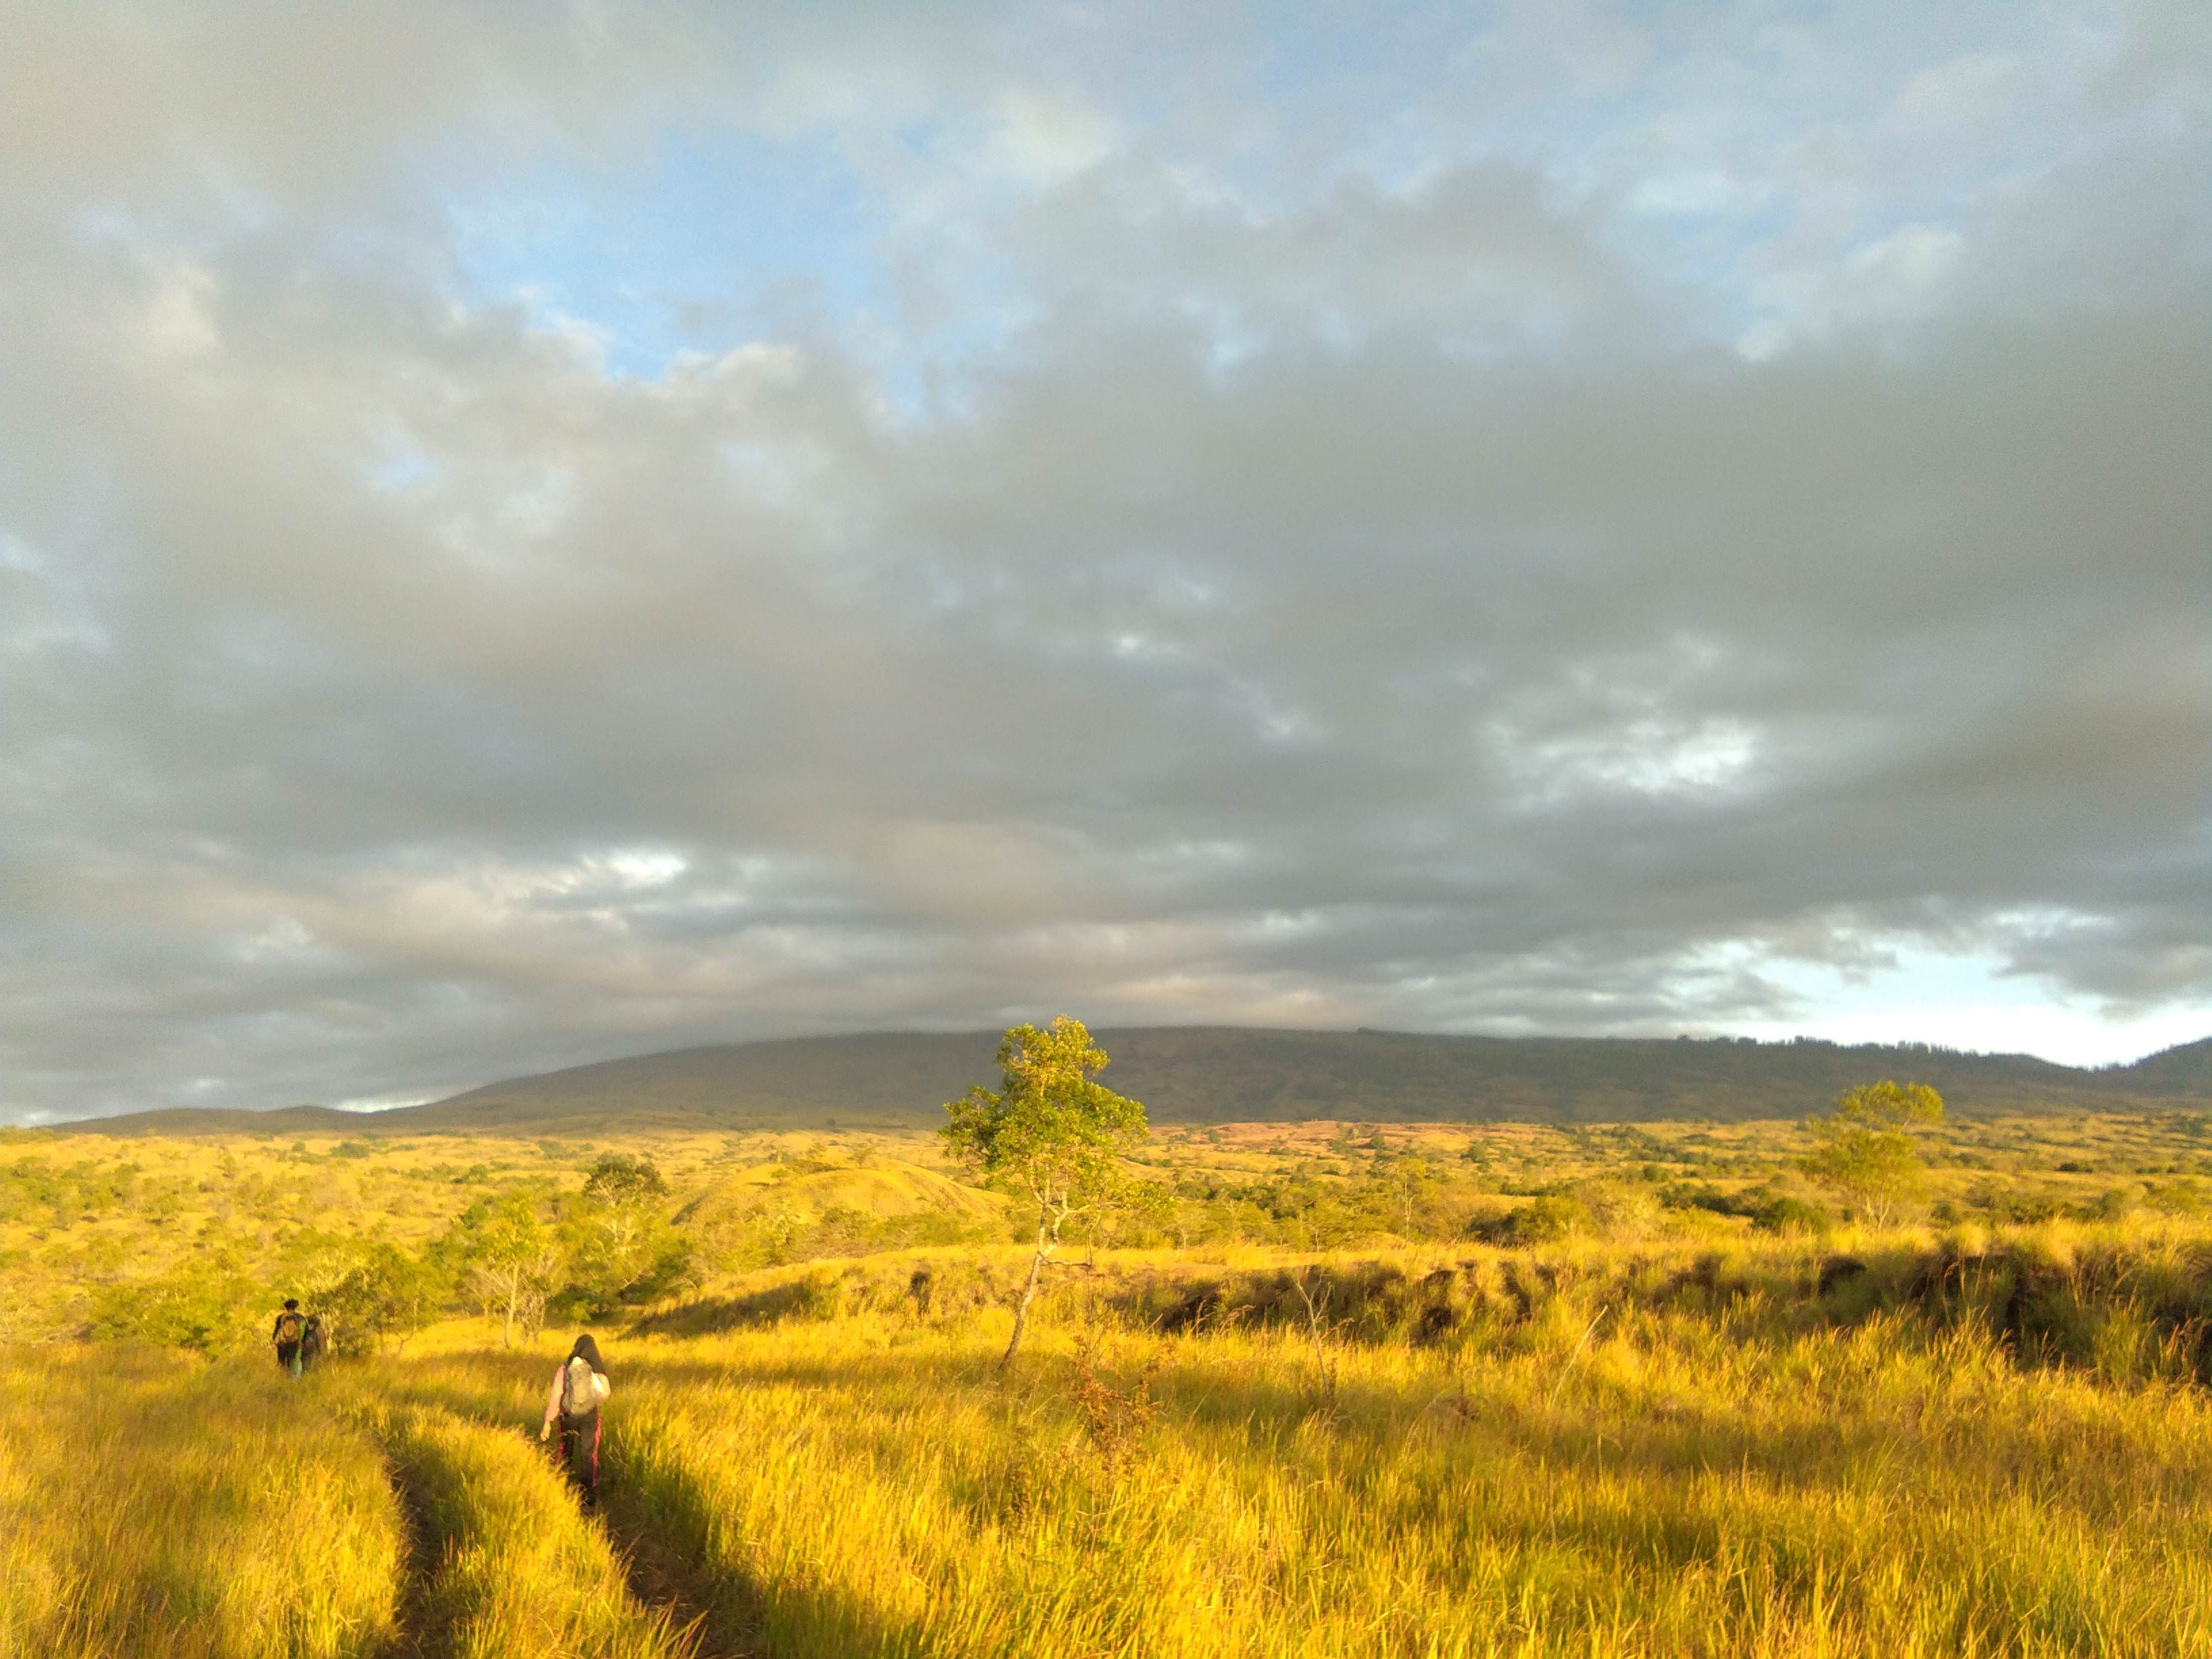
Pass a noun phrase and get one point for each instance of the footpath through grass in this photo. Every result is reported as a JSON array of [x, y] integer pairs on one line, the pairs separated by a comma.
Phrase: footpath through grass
[[1596, 1478], [1702, 1470], [515, 1567]]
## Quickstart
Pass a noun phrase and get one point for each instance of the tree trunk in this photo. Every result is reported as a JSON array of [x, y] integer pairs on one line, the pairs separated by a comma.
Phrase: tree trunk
[[1047, 1239]]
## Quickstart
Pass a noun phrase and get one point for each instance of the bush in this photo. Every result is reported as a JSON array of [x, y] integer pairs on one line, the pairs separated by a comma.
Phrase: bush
[[1699, 1195], [185, 1308], [1616, 1209], [2183, 1197], [1541, 1221], [386, 1294], [1792, 1215]]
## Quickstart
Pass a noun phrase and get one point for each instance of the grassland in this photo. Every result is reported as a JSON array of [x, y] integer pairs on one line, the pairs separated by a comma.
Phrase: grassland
[[511, 1566], [1337, 1392], [151, 1502]]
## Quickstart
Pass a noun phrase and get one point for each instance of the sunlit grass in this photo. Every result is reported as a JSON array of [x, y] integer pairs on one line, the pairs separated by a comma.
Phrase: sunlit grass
[[1978, 1442], [517, 1568], [152, 1505], [1602, 1477], [1671, 1488]]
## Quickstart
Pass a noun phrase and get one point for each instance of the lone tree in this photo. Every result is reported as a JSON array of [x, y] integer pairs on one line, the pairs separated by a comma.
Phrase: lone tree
[[1051, 1131], [1864, 1149], [625, 1236], [513, 1262], [623, 1178], [388, 1293]]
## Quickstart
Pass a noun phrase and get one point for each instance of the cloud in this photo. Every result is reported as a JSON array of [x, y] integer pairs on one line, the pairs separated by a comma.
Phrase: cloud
[[1279, 537]]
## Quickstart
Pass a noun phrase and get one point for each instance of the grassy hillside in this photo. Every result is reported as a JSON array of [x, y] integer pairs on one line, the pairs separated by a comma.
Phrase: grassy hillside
[[1343, 1389], [1213, 1074], [191, 1238], [1593, 1449]]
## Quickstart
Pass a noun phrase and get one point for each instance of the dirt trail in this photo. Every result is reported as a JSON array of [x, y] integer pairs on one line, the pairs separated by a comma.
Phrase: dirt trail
[[670, 1592], [656, 1580], [500, 1558], [652, 1520], [421, 1635]]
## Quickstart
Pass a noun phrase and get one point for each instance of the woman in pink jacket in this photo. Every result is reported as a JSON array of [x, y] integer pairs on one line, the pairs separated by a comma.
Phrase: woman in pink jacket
[[573, 1402]]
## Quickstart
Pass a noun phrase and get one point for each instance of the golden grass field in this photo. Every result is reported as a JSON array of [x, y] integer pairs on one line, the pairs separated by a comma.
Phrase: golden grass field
[[1675, 1434]]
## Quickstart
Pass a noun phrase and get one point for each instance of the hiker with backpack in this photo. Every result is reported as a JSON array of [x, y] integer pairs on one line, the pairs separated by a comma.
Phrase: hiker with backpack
[[574, 1400], [289, 1328]]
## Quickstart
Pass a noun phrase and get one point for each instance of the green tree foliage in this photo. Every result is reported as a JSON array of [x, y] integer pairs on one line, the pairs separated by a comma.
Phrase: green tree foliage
[[622, 1243], [387, 1295], [625, 1178], [1410, 1182], [512, 1261], [1051, 1131], [204, 1306], [1864, 1150]]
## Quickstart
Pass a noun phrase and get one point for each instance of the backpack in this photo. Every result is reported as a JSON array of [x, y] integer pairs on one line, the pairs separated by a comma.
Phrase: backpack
[[579, 1396], [288, 1326]]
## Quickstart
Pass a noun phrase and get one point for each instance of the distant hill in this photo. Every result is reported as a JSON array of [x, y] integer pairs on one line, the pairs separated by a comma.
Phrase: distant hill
[[1217, 1074], [2186, 1069], [218, 1120]]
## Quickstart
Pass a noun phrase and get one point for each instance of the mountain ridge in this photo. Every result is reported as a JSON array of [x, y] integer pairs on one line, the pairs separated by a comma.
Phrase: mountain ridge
[[1217, 1073]]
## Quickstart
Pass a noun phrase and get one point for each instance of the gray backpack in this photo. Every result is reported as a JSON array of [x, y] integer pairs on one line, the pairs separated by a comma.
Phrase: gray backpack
[[578, 1395]]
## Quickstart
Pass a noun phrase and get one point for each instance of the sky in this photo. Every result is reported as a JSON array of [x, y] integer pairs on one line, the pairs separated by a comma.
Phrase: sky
[[532, 533]]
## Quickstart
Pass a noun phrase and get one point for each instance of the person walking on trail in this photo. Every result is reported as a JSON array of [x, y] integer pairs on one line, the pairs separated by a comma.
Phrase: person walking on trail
[[289, 1328], [314, 1342], [574, 1401]]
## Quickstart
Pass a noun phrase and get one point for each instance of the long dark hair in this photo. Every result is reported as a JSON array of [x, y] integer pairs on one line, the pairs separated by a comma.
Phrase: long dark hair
[[588, 1350]]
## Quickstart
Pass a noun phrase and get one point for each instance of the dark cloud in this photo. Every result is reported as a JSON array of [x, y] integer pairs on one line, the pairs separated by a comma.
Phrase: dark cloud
[[1299, 545]]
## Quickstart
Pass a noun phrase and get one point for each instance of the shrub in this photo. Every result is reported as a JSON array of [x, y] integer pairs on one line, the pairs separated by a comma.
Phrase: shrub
[[185, 1308], [1543, 1220], [1699, 1195], [1793, 1215], [1616, 1209], [388, 1294]]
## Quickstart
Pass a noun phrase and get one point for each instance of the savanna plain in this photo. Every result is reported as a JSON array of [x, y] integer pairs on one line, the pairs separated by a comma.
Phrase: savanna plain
[[1309, 1389]]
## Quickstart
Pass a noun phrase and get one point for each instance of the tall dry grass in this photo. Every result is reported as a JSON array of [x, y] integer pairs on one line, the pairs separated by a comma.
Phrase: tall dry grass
[[514, 1567], [1643, 1452], [1644, 1484], [152, 1505]]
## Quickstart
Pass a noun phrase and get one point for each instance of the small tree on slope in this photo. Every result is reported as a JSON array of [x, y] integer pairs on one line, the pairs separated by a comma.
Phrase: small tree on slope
[[1049, 1129], [625, 1236], [513, 1262], [1865, 1151]]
